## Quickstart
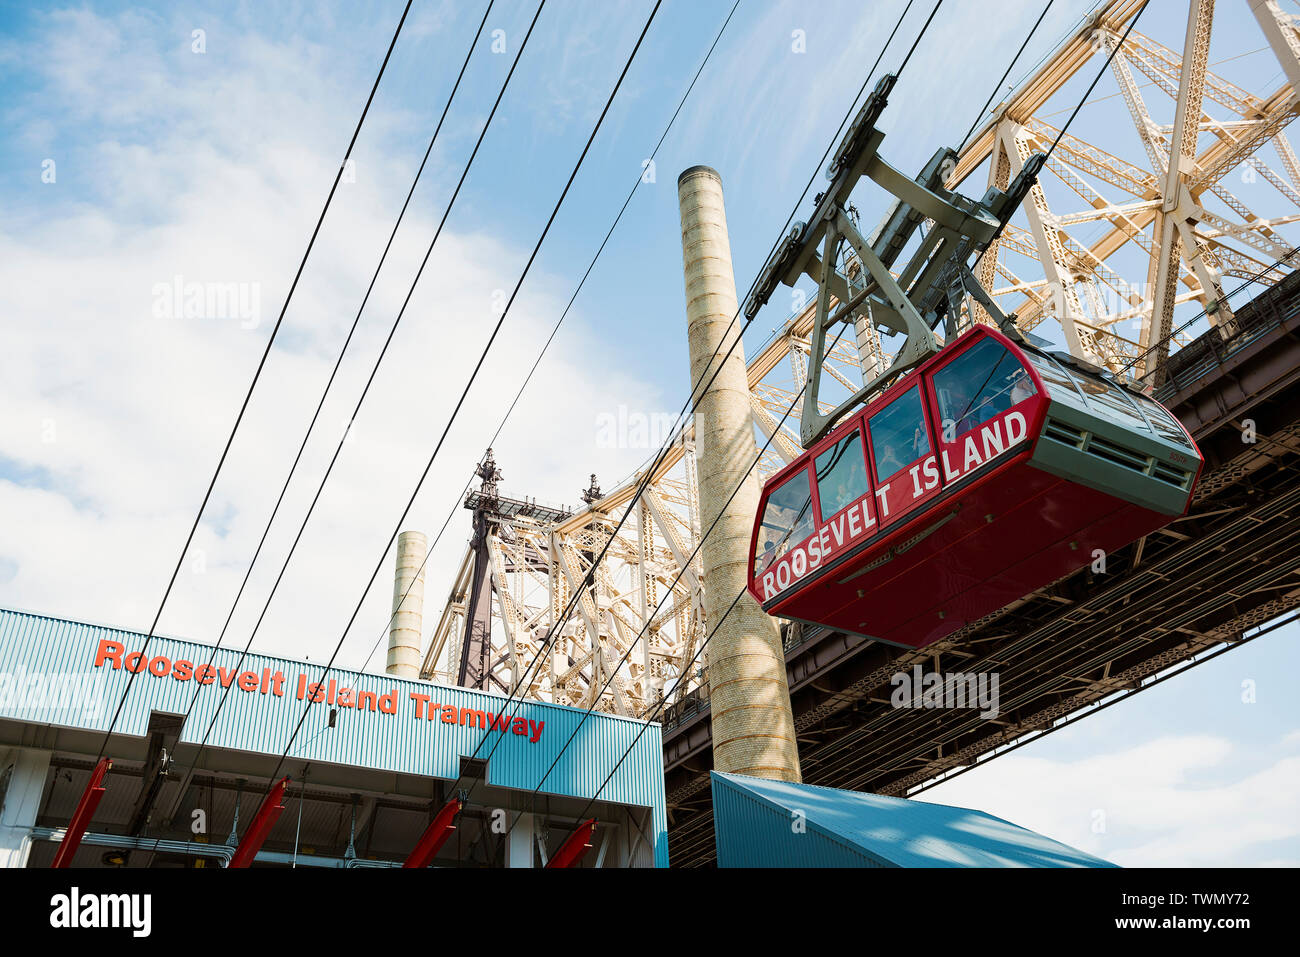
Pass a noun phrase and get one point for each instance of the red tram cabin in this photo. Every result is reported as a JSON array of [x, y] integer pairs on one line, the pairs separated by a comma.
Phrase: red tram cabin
[[987, 472]]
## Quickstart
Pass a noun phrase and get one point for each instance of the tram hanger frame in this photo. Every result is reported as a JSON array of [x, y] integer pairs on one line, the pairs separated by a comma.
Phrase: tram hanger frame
[[928, 289]]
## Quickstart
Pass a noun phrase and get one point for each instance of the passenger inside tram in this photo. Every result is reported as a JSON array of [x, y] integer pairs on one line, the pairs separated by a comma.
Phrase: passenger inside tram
[[841, 475], [982, 383], [787, 520], [852, 484], [898, 434], [1022, 388], [888, 461]]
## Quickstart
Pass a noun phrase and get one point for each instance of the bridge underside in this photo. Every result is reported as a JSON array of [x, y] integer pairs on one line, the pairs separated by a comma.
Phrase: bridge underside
[[1173, 598]]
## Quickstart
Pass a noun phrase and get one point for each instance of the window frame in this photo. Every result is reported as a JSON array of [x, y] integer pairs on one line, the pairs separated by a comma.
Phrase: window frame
[[1021, 362], [855, 424], [810, 478], [926, 413]]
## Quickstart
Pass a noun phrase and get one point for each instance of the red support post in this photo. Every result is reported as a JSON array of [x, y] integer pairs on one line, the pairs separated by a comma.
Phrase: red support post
[[81, 817], [577, 845], [269, 812], [434, 836]]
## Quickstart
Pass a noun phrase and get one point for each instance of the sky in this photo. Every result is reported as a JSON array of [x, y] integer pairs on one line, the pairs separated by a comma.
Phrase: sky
[[150, 146]]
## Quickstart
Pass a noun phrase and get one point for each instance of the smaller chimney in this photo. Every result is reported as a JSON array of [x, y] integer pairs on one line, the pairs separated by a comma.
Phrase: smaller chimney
[[406, 629]]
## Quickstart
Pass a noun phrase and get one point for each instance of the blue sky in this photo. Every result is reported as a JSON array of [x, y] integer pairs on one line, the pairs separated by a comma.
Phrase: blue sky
[[212, 166]]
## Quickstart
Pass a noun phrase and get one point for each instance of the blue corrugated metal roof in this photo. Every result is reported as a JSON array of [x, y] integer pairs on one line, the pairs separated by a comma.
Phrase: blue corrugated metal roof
[[260, 720], [761, 823]]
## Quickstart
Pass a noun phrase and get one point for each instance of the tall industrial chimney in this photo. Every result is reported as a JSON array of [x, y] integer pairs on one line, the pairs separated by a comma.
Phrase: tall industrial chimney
[[405, 630], [753, 728]]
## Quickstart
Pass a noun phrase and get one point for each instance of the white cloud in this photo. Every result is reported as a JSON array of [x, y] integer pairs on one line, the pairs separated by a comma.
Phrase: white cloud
[[1174, 801], [115, 417]]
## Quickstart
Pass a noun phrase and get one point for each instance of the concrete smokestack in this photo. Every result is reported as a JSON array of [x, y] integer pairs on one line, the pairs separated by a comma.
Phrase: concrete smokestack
[[406, 629], [753, 728]]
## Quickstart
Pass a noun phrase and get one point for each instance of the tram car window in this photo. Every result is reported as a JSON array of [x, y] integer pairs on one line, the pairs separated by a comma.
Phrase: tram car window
[[984, 381], [842, 475], [787, 520], [898, 434]]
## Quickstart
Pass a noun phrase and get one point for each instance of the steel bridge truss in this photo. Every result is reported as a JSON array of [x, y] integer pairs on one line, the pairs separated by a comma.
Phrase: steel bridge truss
[[1171, 232], [533, 568]]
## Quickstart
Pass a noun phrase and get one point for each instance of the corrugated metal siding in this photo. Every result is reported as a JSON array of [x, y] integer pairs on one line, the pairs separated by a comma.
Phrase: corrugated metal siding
[[752, 832], [855, 829], [250, 721]]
